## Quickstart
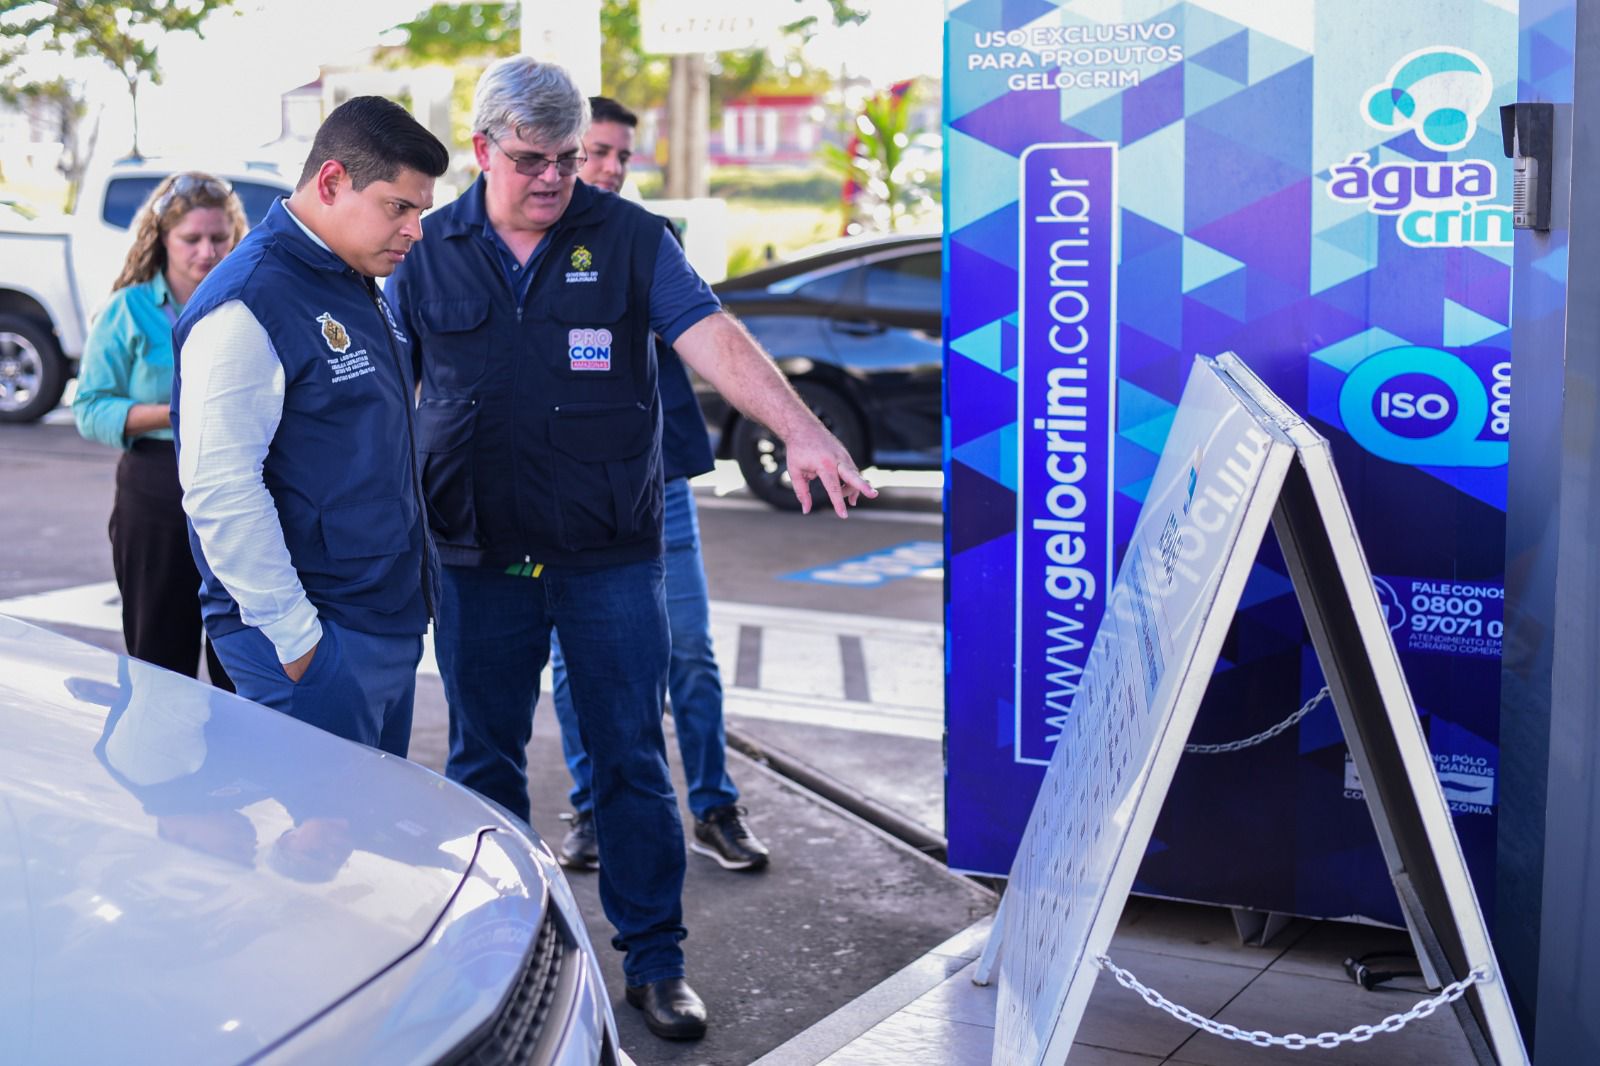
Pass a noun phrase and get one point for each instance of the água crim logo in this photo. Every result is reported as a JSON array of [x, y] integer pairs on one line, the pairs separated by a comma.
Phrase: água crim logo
[[1437, 94]]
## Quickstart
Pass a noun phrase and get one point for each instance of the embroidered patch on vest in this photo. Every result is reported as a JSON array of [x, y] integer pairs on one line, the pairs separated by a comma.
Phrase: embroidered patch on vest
[[334, 333], [388, 316], [582, 260], [589, 349]]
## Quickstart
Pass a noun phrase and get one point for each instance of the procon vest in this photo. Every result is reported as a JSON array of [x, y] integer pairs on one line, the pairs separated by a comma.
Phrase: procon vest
[[341, 466], [540, 422]]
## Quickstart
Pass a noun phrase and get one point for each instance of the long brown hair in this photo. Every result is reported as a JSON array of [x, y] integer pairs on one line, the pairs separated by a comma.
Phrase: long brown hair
[[173, 198]]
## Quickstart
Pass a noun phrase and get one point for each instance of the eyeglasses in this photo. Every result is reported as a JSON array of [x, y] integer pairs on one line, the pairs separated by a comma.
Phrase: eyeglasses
[[187, 185], [534, 166]]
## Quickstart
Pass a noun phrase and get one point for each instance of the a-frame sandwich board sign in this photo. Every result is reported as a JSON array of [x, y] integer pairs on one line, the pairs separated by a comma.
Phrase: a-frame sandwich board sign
[[1235, 458]]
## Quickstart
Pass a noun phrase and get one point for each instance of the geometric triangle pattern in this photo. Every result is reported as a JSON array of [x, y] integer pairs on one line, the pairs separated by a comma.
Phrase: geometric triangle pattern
[[1231, 239], [982, 345], [1464, 327], [1203, 87], [1229, 58], [1202, 264]]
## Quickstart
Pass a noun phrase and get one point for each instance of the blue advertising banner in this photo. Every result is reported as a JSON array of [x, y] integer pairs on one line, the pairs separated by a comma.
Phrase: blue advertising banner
[[1066, 377], [1320, 187]]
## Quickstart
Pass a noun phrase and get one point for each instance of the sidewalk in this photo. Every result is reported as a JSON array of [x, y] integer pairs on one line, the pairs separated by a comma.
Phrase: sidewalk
[[932, 1012]]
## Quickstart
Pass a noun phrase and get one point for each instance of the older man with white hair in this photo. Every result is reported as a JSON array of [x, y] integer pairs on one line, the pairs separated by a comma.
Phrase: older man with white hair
[[533, 312]]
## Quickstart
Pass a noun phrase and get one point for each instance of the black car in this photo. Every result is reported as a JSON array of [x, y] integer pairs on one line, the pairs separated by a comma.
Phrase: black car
[[855, 325]]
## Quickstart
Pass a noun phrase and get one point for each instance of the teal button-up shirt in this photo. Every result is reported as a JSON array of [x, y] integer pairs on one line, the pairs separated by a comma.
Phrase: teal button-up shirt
[[126, 360]]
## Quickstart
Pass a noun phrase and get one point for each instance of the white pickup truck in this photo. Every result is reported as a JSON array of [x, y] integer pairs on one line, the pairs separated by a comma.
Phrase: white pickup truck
[[56, 273]]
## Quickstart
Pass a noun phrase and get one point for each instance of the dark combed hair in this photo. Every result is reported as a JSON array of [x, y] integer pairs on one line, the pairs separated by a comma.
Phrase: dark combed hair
[[605, 109], [373, 138]]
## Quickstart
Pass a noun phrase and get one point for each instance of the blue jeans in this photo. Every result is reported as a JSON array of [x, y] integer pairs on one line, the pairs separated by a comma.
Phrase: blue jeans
[[493, 639], [360, 686], [693, 681]]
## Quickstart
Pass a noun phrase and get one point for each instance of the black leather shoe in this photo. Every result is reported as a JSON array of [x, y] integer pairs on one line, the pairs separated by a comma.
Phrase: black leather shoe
[[723, 836], [580, 849], [671, 1008]]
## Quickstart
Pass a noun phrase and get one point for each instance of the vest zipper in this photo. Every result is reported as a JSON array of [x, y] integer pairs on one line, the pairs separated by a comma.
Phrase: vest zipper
[[409, 403]]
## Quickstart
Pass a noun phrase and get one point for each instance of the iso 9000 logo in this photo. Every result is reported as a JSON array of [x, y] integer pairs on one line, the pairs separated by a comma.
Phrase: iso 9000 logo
[[1426, 407]]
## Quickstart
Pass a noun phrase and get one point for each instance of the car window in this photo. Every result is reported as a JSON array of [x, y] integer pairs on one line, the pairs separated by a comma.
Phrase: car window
[[257, 199], [909, 283], [124, 197], [828, 288]]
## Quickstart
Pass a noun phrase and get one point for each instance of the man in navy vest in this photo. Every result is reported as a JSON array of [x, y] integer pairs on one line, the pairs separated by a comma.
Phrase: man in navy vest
[[533, 308], [293, 415], [693, 680]]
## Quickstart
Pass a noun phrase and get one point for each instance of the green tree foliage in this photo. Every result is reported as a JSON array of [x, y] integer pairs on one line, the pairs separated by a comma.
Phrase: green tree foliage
[[63, 103], [464, 36], [125, 35], [451, 33], [446, 33]]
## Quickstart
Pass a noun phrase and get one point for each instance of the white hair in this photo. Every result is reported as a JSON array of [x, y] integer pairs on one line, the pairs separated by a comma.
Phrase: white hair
[[535, 101]]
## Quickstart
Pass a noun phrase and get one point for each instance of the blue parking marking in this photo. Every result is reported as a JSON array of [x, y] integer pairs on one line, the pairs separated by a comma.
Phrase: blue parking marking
[[914, 558]]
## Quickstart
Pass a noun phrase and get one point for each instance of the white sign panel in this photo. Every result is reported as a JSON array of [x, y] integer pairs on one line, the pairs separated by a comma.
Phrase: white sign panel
[[567, 34], [1170, 607], [1236, 458], [681, 27]]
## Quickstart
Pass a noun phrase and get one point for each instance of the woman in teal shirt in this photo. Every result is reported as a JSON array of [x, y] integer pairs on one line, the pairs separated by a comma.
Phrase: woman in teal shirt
[[190, 221]]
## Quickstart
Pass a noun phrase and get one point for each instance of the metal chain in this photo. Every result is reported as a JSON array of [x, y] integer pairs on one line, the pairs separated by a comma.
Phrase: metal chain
[[1260, 738], [1294, 1041]]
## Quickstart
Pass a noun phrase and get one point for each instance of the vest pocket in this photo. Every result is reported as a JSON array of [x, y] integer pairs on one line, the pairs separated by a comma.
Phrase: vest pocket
[[594, 341], [365, 542], [444, 444], [602, 461], [368, 530], [456, 348]]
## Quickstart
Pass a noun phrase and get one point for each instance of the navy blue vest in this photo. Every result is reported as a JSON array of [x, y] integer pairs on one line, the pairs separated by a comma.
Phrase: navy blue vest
[[341, 466], [540, 422], [685, 447]]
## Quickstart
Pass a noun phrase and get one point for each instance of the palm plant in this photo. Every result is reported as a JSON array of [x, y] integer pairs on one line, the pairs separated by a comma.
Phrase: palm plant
[[882, 189]]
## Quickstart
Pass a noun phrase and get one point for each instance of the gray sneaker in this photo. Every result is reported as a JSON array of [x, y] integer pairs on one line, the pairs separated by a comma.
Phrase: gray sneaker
[[580, 849]]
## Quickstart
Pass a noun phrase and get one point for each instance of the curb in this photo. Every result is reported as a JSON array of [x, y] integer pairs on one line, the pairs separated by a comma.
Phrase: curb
[[907, 830]]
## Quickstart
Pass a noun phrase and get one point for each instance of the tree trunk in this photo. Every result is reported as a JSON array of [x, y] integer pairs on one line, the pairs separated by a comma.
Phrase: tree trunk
[[688, 127], [699, 115], [133, 94]]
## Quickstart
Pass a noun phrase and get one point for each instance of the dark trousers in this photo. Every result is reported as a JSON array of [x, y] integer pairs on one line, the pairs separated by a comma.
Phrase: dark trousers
[[155, 569], [493, 639], [360, 686]]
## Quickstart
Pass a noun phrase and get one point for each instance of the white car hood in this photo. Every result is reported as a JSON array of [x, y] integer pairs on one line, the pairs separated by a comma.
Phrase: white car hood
[[186, 876]]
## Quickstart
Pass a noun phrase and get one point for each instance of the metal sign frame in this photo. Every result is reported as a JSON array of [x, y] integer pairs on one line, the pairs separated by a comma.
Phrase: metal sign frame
[[1297, 488]]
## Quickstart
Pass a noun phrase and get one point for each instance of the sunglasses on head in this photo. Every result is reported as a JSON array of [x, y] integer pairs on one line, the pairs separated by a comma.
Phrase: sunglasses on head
[[534, 166], [187, 185]]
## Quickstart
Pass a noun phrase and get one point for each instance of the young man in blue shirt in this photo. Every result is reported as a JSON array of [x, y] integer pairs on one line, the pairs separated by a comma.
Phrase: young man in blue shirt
[[292, 409], [694, 683], [534, 306]]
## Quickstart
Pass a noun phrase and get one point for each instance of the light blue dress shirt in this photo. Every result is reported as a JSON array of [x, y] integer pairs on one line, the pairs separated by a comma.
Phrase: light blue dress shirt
[[126, 360]]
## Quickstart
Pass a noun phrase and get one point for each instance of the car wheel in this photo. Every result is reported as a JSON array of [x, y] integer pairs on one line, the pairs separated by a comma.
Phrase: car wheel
[[761, 454], [32, 370]]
